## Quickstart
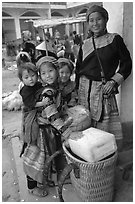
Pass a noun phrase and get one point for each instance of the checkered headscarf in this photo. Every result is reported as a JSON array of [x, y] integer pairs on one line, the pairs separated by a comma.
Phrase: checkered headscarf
[[47, 59]]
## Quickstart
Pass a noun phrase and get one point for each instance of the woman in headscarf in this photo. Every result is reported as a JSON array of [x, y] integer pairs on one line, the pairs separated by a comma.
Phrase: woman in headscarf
[[103, 63]]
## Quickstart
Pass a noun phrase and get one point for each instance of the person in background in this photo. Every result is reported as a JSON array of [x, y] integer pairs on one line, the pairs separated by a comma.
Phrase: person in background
[[57, 37], [49, 43], [66, 86], [22, 57], [77, 39], [48, 33], [103, 63], [28, 46], [68, 51]]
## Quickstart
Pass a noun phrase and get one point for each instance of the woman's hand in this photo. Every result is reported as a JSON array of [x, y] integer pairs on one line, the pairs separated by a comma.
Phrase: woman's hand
[[108, 87]]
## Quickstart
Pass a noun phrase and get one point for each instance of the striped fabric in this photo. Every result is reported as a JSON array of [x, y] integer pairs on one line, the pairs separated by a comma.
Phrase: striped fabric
[[35, 155], [34, 159], [90, 95], [100, 42], [51, 111]]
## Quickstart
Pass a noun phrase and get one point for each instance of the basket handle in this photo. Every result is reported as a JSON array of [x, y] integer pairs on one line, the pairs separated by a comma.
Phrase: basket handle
[[66, 171], [47, 164]]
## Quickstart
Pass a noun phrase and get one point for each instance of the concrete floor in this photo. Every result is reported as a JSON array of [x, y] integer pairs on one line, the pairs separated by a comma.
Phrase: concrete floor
[[13, 177], [123, 190]]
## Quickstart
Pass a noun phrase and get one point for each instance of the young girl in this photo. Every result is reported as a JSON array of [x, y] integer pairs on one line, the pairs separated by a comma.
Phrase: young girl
[[70, 97], [21, 58], [48, 71], [67, 87], [27, 73]]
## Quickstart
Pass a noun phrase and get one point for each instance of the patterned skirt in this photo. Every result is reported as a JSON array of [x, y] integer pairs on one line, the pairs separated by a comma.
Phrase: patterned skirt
[[35, 155], [104, 113], [34, 159]]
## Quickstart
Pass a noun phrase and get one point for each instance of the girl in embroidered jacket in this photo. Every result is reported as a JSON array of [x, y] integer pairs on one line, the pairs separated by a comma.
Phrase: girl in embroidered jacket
[[28, 74], [48, 71], [113, 54], [66, 86]]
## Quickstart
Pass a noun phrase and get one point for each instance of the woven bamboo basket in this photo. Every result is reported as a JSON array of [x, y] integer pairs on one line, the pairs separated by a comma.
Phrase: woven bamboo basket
[[96, 180]]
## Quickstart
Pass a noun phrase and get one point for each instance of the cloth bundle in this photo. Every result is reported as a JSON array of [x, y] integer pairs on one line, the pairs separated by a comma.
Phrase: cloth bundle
[[81, 118]]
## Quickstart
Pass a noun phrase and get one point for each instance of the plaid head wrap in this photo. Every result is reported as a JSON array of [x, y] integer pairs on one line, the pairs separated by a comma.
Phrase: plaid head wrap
[[47, 59], [98, 9], [66, 61]]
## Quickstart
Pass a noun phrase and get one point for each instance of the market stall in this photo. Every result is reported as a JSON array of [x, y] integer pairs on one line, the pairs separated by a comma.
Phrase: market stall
[[49, 23]]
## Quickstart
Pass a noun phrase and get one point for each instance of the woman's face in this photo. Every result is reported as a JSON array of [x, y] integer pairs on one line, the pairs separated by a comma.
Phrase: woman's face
[[64, 74], [96, 23], [48, 73]]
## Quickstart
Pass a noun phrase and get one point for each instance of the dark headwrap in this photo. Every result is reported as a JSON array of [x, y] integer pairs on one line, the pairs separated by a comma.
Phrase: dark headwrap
[[98, 9], [62, 61]]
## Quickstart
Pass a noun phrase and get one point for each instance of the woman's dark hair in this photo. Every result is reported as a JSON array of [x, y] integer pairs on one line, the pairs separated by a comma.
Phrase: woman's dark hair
[[26, 66]]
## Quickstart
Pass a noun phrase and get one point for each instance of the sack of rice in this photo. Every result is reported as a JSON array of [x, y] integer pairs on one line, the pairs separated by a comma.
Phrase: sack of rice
[[81, 118], [92, 144]]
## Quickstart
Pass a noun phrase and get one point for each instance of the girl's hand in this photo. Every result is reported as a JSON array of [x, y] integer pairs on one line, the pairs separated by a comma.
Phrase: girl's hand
[[45, 101], [108, 87]]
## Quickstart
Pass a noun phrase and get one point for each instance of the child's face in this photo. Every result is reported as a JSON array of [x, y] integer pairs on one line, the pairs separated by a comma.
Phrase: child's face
[[48, 74], [64, 74], [29, 78]]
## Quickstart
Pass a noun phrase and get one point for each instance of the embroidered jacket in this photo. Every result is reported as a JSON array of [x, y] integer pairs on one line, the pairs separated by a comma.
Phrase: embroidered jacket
[[114, 56], [68, 93], [51, 110]]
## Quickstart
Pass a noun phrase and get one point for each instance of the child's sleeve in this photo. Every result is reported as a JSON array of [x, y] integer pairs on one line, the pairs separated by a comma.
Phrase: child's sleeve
[[73, 96], [74, 99], [28, 97]]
